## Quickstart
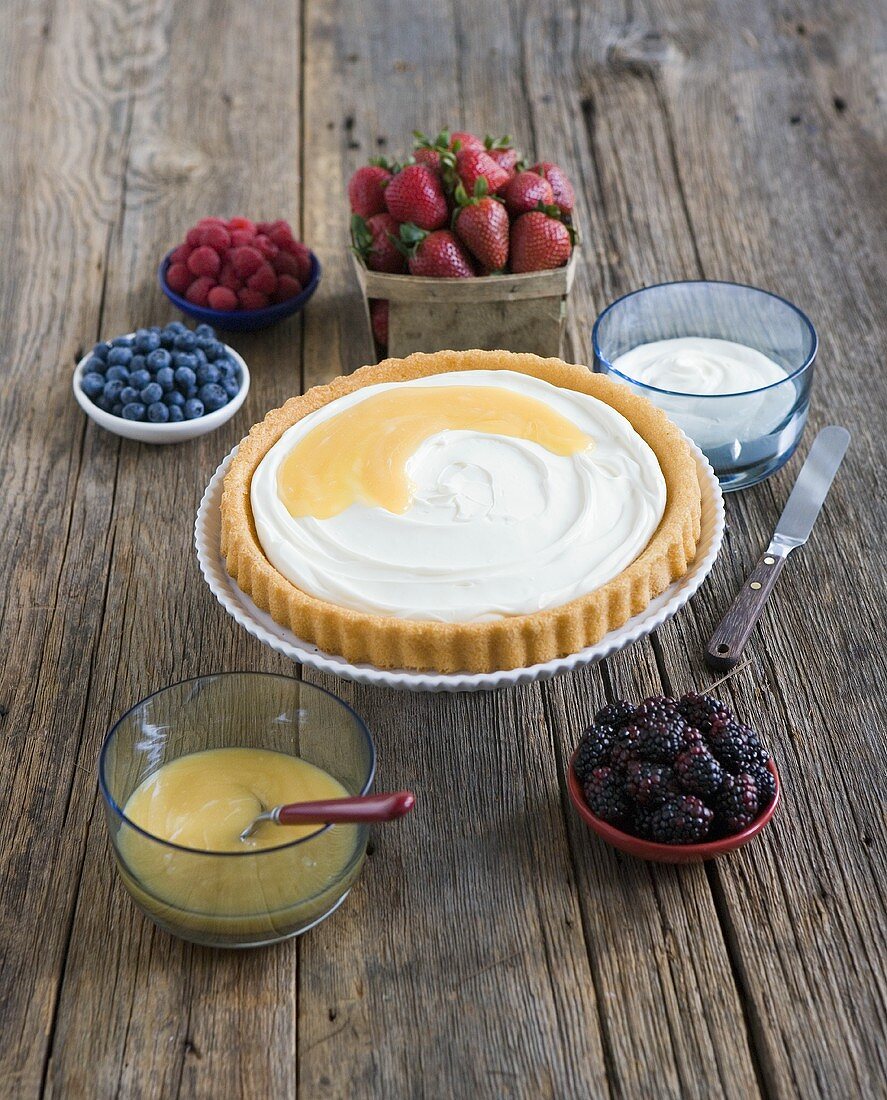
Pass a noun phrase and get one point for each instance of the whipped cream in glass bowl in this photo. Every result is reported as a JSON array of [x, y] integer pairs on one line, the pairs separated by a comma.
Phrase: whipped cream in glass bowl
[[730, 364]]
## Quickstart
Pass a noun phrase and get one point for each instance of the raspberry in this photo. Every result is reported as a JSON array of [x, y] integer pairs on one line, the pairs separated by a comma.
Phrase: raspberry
[[281, 234], [287, 287], [215, 236], [266, 246], [699, 710], [210, 220], [615, 714], [192, 237], [605, 797], [252, 299], [222, 297], [204, 261], [734, 745], [284, 263], [178, 278], [242, 223], [647, 783], [263, 279], [681, 819], [302, 257], [698, 772], [228, 277], [180, 255], [246, 260], [594, 750], [241, 238], [198, 291], [737, 804]]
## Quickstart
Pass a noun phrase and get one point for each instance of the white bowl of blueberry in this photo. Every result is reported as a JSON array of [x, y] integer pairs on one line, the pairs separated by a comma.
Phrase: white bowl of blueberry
[[162, 385]]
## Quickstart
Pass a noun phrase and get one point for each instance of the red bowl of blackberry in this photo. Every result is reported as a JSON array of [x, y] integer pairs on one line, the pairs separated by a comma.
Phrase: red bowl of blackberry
[[673, 780]]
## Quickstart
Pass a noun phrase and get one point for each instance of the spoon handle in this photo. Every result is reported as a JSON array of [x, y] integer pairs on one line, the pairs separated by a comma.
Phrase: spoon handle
[[337, 811]]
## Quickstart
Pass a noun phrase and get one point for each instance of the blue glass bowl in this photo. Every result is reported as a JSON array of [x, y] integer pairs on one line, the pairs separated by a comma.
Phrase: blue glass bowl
[[245, 320], [746, 435]]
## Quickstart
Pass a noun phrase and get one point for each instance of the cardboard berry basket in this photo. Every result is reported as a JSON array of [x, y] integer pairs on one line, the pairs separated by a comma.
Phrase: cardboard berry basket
[[508, 312]]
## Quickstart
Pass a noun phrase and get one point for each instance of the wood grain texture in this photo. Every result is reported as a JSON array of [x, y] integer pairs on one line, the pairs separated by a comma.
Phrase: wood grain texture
[[493, 946]]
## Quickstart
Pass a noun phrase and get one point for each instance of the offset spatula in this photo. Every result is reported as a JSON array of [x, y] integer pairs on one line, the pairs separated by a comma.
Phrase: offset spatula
[[793, 529]]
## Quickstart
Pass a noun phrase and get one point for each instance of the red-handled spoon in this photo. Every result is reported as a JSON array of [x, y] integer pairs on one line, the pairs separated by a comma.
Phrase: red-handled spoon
[[363, 809]]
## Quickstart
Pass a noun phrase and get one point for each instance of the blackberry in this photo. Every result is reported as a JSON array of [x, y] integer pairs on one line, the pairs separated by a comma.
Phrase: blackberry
[[692, 737], [698, 772], [656, 707], [605, 796], [765, 783], [734, 745], [737, 803], [699, 710], [625, 746], [615, 714], [660, 735], [594, 750], [647, 783], [680, 819]]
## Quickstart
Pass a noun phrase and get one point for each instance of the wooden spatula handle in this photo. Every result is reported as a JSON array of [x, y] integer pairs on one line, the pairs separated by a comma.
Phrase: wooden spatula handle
[[728, 641]]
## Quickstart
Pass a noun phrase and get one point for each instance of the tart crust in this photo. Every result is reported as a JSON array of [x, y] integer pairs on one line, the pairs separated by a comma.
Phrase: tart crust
[[513, 642]]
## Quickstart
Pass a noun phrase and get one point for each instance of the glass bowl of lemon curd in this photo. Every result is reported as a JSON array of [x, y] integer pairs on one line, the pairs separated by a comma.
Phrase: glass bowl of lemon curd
[[187, 769], [731, 365]]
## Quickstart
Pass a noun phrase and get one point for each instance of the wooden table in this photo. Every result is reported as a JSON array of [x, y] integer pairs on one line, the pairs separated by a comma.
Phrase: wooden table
[[493, 947]]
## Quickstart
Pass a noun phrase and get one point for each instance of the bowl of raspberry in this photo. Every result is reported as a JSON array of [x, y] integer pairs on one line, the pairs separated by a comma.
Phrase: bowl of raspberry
[[239, 275], [673, 780], [161, 384]]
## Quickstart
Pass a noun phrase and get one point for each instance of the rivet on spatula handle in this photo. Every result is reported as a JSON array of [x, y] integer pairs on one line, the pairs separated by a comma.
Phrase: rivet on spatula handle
[[725, 646]]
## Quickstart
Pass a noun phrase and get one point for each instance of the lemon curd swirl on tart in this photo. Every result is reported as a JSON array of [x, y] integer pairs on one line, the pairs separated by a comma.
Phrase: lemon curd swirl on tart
[[460, 511]]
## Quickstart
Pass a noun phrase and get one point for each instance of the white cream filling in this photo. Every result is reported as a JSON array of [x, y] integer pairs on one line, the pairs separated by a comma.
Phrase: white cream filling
[[708, 372], [497, 526]]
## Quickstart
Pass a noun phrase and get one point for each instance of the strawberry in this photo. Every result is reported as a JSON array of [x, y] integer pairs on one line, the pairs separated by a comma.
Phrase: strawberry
[[366, 189], [482, 225], [475, 164], [438, 255], [465, 139], [539, 242], [525, 191], [373, 242], [503, 153], [560, 184], [415, 195], [379, 319], [429, 157]]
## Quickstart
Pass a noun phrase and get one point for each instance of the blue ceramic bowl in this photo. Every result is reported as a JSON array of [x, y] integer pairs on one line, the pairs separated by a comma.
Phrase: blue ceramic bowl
[[245, 320]]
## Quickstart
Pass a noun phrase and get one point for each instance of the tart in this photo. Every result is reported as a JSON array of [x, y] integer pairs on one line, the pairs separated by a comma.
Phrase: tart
[[460, 511]]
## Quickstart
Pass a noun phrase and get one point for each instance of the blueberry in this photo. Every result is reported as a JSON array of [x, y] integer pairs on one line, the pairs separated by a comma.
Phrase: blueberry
[[129, 393], [184, 359], [204, 342], [92, 384], [137, 362], [122, 342], [100, 351], [200, 355], [158, 413], [159, 359], [193, 409], [175, 414], [119, 357], [146, 341], [214, 350], [120, 374], [165, 378], [155, 329], [213, 396], [204, 330], [168, 337], [112, 390], [94, 365], [208, 372], [173, 399], [186, 341], [117, 408], [135, 410], [176, 327], [151, 394], [139, 379], [231, 386], [103, 403], [185, 378]]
